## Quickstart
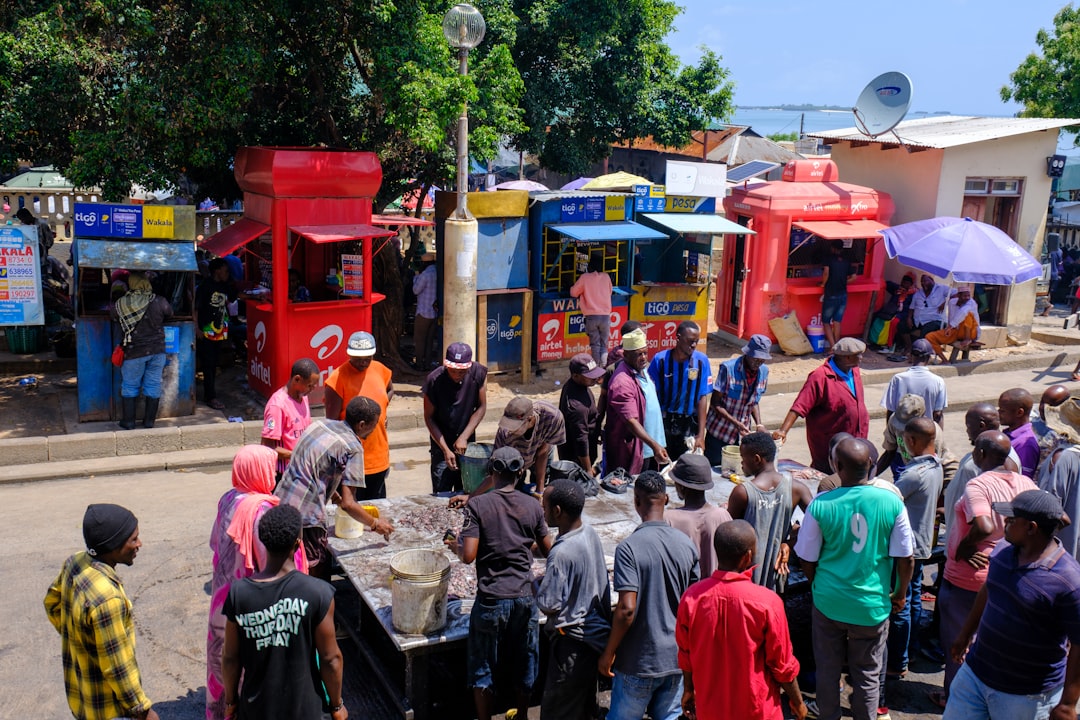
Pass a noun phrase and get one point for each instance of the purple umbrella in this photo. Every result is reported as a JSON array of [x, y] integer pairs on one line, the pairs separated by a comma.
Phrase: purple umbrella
[[576, 184], [972, 251]]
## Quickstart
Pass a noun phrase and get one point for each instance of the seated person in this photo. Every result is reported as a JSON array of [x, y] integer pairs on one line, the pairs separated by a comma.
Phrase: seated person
[[297, 292], [963, 325], [899, 301], [926, 312]]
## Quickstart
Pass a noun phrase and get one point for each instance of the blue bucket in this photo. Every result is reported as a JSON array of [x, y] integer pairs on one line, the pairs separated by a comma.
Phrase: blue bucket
[[816, 335]]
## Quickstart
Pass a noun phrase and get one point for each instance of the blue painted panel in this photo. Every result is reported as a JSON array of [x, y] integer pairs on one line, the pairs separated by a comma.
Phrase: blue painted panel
[[504, 331], [502, 253], [94, 342], [178, 377]]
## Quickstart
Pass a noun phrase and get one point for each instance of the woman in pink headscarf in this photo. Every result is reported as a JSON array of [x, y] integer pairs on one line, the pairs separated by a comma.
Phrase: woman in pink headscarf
[[238, 553]]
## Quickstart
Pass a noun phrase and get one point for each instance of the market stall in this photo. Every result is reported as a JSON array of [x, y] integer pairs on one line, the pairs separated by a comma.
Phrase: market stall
[[504, 303], [674, 274], [566, 229], [310, 211], [779, 269], [154, 239]]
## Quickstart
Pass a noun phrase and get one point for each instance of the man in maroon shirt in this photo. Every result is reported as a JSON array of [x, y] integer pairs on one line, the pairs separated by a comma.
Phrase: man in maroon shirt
[[832, 401]]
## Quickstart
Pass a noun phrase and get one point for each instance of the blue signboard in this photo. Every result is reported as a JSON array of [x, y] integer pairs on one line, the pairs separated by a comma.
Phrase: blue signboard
[[104, 220], [172, 339], [20, 276], [663, 308], [586, 209]]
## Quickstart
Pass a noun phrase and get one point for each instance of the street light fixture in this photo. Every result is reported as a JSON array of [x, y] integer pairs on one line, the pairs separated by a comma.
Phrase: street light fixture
[[463, 27]]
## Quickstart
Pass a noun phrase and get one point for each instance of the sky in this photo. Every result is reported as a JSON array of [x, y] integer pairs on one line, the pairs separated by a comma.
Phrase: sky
[[958, 53]]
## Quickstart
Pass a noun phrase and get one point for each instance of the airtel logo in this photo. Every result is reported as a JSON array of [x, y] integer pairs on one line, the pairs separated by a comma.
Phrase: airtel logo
[[670, 328], [321, 340], [260, 336], [550, 328]]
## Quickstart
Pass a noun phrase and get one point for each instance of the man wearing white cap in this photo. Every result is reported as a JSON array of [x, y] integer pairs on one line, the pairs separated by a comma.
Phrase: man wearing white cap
[[963, 325], [635, 423]]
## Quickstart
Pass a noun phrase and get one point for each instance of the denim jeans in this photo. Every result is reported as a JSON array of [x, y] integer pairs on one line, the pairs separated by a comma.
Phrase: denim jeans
[[904, 625], [972, 699], [632, 696], [510, 624], [598, 328], [145, 373]]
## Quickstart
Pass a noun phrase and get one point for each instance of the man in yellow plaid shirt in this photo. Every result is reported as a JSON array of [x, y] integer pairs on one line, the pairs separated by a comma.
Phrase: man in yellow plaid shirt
[[88, 607]]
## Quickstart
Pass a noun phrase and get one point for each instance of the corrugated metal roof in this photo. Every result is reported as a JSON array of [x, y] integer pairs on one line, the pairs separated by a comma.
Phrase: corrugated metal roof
[[698, 223], [563, 194], [136, 255], [945, 131]]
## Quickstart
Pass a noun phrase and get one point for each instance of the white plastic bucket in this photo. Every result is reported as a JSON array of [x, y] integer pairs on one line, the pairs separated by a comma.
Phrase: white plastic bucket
[[419, 582], [731, 460]]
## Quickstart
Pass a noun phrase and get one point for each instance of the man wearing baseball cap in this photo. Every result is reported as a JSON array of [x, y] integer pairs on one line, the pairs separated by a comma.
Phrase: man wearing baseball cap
[[364, 375], [531, 428], [1026, 620], [737, 390], [578, 408], [88, 607], [832, 401], [455, 400]]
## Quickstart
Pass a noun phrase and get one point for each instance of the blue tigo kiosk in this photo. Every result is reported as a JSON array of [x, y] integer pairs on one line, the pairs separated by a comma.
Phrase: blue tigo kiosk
[[155, 239]]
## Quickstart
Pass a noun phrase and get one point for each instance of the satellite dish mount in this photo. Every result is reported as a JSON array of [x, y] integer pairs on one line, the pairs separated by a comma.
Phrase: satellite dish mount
[[882, 104]]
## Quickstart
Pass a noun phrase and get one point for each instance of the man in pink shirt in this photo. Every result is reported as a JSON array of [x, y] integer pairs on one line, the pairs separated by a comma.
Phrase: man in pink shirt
[[593, 290], [974, 531], [287, 413]]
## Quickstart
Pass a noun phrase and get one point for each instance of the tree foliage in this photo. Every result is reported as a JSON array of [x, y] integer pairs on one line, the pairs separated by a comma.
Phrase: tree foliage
[[1047, 83], [116, 92]]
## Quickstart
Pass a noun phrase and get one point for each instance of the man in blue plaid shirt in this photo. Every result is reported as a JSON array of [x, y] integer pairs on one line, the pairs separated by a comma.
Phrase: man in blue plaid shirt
[[739, 385]]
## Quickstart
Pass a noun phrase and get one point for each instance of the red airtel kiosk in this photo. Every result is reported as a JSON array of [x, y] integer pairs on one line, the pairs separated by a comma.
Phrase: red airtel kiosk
[[779, 269], [307, 210]]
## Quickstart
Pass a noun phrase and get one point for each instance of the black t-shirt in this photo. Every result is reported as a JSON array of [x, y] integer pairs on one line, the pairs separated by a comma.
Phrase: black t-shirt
[[507, 523], [277, 622], [579, 409], [839, 269], [454, 403], [211, 301]]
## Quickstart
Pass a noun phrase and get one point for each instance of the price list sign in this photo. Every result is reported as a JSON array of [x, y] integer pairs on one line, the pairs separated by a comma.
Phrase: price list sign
[[20, 276]]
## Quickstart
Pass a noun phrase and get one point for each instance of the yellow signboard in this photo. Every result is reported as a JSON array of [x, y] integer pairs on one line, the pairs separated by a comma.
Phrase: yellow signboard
[[614, 208], [157, 221]]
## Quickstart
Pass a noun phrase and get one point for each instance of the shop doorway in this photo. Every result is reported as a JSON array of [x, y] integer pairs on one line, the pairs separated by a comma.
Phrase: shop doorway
[[994, 201], [732, 281]]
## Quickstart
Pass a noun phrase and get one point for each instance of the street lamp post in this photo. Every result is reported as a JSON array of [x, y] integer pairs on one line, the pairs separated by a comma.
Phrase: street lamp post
[[463, 27]]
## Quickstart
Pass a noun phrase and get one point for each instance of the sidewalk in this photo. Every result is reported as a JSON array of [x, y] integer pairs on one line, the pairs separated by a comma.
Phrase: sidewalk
[[208, 439]]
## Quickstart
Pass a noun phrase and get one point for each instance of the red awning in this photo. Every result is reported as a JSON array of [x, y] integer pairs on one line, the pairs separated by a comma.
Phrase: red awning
[[398, 220], [238, 234], [842, 229], [320, 234]]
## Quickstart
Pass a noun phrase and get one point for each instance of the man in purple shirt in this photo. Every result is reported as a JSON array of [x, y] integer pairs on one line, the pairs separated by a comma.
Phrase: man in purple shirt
[[1014, 411]]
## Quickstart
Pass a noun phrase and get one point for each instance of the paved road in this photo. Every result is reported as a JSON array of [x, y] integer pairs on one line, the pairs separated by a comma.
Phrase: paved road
[[168, 581]]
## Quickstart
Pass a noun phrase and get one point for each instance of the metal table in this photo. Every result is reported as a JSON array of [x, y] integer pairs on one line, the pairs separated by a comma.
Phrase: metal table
[[366, 562]]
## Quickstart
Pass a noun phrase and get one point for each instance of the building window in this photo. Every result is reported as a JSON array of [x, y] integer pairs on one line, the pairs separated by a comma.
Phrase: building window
[[993, 186]]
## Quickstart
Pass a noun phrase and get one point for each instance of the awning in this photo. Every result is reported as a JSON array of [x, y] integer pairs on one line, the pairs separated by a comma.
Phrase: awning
[[603, 231], [842, 229], [320, 234], [238, 234], [695, 223], [136, 255], [398, 220]]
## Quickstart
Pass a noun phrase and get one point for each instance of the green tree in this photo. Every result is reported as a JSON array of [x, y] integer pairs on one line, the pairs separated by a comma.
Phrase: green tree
[[1047, 83], [116, 92]]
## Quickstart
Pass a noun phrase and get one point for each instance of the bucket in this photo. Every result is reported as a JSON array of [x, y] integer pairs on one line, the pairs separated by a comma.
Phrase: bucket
[[816, 335], [419, 582], [730, 460], [473, 465], [346, 527]]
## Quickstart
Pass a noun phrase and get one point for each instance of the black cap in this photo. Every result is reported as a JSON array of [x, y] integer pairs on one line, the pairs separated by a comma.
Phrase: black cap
[[1037, 505], [107, 527], [692, 471]]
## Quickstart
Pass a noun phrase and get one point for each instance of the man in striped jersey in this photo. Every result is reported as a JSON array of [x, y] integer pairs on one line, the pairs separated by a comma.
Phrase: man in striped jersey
[[683, 385]]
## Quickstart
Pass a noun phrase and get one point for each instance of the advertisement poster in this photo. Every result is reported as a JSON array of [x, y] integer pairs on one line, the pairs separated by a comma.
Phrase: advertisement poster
[[561, 330], [124, 221], [20, 276], [352, 272]]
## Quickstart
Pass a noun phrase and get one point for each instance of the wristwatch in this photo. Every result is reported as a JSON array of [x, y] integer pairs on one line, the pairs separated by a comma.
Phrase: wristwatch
[[337, 707]]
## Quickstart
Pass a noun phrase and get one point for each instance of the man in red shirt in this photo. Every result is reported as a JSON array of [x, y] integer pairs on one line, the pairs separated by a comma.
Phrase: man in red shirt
[[734, 646], [832, 401]]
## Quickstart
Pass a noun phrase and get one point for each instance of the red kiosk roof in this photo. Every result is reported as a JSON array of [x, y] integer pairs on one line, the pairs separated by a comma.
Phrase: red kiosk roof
[[320, 234], [236, 235], [397, 220], [842, 229]]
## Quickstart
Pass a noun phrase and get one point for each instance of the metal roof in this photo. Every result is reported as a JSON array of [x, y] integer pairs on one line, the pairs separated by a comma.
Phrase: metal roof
[[604, 231], [842, 229], [136, 255], [945, 131], [238, 234], [563, 194], [698, 223]]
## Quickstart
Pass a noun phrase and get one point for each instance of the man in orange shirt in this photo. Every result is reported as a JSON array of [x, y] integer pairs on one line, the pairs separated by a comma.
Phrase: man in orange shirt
[[593, 291], [364, 376]]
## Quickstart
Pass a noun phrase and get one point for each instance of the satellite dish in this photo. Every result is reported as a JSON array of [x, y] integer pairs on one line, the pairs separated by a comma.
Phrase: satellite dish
[[883, 103]]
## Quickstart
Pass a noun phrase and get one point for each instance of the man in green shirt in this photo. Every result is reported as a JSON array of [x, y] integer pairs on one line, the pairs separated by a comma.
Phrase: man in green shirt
[[848, 541]]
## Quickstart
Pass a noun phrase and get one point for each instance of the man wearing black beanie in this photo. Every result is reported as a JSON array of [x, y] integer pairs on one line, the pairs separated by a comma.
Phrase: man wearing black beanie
[[87, 606]]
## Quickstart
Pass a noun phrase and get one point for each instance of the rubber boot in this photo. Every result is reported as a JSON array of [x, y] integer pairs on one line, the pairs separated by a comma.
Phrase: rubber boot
[[150, 409], [128, 420]]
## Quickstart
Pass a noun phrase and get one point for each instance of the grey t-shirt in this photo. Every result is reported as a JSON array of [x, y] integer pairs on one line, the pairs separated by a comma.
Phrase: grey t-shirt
[[1064, 481], [658, 563], [575, 593], [920, 484]]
